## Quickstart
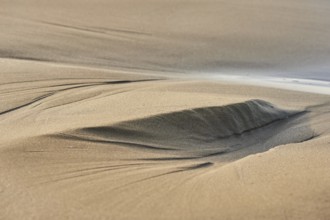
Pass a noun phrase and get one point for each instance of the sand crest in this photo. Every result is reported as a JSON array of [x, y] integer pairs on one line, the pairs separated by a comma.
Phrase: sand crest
[[159, 109]]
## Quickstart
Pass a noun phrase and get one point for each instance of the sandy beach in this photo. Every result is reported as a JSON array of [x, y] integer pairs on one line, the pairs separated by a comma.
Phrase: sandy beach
[[164, 109]]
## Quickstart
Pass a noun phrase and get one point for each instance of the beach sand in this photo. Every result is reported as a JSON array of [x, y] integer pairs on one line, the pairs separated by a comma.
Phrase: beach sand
[[99, 118]]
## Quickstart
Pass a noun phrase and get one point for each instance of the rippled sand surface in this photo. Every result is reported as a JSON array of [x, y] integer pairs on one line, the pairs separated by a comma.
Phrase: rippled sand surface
[[100, 119]]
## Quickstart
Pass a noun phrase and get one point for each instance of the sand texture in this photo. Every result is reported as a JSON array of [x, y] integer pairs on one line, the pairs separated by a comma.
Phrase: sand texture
[[99, 118]]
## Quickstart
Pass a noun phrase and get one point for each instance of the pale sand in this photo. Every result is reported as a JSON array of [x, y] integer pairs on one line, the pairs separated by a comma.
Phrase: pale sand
[[89, 144], [255, 36], [95, 122]]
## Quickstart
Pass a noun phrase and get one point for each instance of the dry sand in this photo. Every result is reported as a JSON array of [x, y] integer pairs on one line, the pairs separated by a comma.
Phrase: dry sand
[[93, 125]]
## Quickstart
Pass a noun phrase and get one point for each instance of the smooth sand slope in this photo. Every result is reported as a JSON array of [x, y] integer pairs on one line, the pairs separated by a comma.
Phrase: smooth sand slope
[[83, 143], [100, 119], [209, 36]]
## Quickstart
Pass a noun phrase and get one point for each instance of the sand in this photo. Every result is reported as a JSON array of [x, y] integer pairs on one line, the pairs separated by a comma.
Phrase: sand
[[103, 115]]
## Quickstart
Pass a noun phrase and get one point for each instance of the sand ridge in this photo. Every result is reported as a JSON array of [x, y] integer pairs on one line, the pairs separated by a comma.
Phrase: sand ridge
[[131, 146], [126, 109]]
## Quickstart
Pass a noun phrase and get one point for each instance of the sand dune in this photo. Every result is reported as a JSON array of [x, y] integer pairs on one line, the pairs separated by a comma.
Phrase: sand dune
[[161, 109], [208, 131], [185, 36], [129, 146]]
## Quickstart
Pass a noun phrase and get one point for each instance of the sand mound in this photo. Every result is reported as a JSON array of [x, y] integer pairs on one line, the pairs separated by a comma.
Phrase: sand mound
[[98, 119], [115, 147], [200, 132]]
